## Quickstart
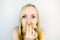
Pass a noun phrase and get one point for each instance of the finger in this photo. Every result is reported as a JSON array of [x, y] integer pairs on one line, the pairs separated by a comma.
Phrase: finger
[[31, 31], [27, 29], [35, 35]]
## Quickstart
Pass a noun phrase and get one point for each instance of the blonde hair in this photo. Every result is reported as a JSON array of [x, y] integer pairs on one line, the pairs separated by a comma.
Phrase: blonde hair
[[20, 22]]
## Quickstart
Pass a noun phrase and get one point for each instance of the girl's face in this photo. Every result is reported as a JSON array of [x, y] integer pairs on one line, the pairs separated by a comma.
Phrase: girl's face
[[29, 16]]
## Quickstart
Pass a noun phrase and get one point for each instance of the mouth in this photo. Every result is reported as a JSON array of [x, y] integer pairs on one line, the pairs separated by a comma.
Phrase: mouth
[[30, 25]]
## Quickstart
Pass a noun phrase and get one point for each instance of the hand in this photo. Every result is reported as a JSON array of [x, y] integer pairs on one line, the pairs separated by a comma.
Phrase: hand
[[30, 33]]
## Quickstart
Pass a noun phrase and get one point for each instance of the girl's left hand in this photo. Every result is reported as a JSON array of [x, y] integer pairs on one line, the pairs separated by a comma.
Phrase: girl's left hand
[[30, 33]]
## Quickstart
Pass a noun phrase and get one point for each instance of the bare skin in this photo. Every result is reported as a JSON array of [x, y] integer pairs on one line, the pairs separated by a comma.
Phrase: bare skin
[[15, 32], [29, 16]]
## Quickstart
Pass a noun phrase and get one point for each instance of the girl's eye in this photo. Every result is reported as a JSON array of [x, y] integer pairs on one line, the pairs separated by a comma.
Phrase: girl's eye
[[24, 16], [33, 16]]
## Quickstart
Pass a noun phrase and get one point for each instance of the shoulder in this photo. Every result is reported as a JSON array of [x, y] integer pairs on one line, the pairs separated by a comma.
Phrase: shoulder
[[43, 33], [42, 30], [15, 33], [15, 29]]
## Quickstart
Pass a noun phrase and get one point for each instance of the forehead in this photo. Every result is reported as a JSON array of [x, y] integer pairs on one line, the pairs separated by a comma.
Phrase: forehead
[[29, 10]]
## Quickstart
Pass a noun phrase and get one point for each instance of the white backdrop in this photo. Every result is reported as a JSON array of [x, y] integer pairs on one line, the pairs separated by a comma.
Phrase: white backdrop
[[49, 11]]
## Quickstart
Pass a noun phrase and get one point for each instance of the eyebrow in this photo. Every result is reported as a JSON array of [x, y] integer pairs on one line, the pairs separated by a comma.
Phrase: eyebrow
[[31, 15], [24, 14]]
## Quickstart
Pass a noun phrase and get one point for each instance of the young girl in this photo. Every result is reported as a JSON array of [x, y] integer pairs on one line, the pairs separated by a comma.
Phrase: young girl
[[29, 26]]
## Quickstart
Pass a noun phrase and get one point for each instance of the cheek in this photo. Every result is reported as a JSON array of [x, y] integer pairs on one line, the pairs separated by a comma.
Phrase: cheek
[[23, 22], [34, 21]]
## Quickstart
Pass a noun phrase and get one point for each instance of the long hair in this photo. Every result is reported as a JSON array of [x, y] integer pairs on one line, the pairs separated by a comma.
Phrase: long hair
[[20, 34]]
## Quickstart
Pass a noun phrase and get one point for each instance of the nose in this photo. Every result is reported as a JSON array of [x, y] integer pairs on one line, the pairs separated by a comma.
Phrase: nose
[[28, 21]]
